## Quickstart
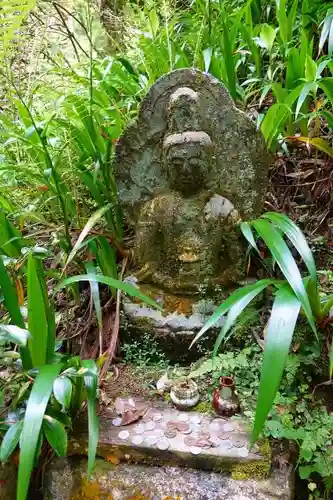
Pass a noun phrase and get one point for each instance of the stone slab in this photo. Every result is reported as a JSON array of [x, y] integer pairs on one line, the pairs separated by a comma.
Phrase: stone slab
[[167, 436], [66, 480]]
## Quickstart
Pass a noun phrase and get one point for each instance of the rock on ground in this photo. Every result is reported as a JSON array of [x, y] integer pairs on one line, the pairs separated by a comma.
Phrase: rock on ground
[[66, 480]]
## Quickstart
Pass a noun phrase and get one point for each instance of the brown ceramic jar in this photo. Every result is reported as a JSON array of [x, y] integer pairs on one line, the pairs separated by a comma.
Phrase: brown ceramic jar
[[225, 401]]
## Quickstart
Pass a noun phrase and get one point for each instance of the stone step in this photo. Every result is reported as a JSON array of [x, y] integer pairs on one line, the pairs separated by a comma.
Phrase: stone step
[[166, 436], [66, 480]]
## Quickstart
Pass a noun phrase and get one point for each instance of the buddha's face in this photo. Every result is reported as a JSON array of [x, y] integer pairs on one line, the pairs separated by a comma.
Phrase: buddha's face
[[187, 166]]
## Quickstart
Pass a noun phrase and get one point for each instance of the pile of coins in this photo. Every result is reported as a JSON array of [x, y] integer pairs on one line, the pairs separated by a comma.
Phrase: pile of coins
[[197, 433]]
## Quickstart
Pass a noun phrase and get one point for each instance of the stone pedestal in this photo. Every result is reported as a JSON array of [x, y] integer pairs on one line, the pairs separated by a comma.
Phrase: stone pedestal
[[66, 480], [172, 454]]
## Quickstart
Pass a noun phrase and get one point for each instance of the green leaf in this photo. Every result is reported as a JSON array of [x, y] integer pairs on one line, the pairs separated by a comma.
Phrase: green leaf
[[236, 296], [280, 331], [62, 390], [297, 238], [238, 307], [318, 143], [85, 231], [10, 440], [310, 69], [94, 288], [10, 297], [274, 121], [37, 403], [12, 333], [267, 36], [56, 435], [305, 471], [248, 234], [10, 237], [13, 308], [90, 382], [286, 263], [331, 360], [37, 315], [307, 88], [326, 84], [127, 288]]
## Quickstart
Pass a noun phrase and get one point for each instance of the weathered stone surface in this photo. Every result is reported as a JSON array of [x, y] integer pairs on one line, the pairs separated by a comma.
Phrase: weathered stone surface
[[8, 478], [66, 480], [188, 171], [196, 443]]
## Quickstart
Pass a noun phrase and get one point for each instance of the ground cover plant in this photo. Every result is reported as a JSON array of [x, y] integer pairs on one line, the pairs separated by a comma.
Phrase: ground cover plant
[[63, 106]]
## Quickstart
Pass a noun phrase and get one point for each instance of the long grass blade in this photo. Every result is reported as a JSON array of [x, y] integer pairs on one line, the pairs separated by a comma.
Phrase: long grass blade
[[286, 263], [85, 231], [234, 298], [91, 382], [37, 315], [280, 331], [235, 311], [297, 238], [37, 403], [127, 288]]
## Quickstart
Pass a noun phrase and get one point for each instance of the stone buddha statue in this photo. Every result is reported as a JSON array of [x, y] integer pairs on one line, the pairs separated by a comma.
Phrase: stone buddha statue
[[187, 236], [187, 170]]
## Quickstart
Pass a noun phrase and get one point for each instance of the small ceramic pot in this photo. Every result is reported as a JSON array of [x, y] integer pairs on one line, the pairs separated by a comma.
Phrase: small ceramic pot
[[184, 394], [225, 401]]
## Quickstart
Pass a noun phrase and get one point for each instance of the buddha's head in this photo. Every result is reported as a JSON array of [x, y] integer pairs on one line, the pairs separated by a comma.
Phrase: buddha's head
[[187, 161], [184, 110]]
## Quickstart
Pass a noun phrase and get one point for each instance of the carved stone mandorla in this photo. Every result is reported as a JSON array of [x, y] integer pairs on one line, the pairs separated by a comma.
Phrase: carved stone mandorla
[[188, 171]]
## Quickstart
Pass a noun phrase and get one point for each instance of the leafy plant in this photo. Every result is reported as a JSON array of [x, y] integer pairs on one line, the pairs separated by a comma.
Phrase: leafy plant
[[293, 296], [55, 385]]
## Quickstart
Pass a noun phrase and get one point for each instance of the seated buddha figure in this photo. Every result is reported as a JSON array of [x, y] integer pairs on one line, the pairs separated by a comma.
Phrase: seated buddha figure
[[186, 236]]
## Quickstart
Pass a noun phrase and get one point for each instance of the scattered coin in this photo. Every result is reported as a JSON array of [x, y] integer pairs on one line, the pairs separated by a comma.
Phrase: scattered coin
[[203, 443], [215, 442], [183, 417], [224, 435], [151, 440], [183, 426], [196, 427], [150, 426], [190, 440], [219, 420], [140, 429], [159, 432], [157, 417], [124, 434], [195, 450], [195, 419], [172, 424], [116, 422], [204, 434], [137, 440], [163, 444], [227, 427], [170, 433], [238, 441], [217, 424], [226, 445], [187, 431], [243, 452]]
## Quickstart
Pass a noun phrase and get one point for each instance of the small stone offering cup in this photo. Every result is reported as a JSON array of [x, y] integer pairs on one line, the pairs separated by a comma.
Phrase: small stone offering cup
[[184, 394]]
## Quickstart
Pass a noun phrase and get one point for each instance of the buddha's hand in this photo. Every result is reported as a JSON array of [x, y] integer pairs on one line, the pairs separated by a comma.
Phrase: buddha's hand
[[219, 207]]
